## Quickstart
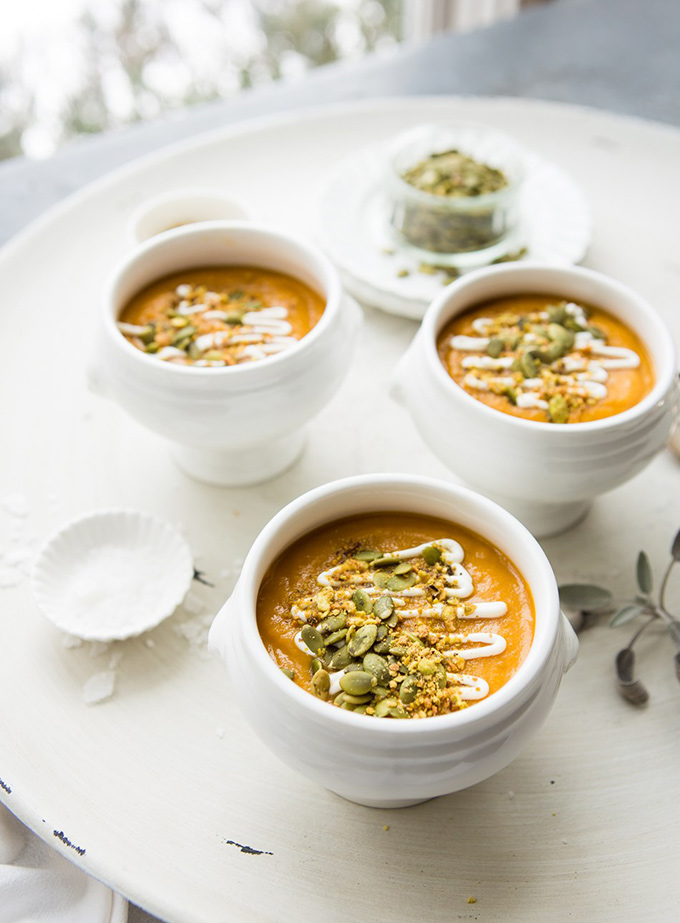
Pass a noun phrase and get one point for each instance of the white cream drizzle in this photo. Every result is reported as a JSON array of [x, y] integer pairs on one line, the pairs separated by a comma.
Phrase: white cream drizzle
[[263, 333], [582, 372], [488, 644]]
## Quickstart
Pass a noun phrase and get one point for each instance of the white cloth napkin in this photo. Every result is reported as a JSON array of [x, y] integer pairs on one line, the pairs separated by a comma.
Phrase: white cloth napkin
[[37, 885]]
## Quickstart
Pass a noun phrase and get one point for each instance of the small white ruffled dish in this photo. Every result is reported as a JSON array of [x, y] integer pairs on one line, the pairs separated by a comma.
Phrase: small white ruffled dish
[[381, 762], [555, 227], [180, 207], [546, 474], [112, 575], [239, 424]]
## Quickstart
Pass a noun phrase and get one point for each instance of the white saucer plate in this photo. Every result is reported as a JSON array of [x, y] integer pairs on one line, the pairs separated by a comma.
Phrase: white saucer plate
[[555, 227]]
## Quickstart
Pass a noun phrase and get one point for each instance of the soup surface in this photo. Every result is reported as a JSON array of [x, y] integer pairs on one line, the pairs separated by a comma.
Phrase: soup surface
[[220, 315], [546, 359], [396, 615]]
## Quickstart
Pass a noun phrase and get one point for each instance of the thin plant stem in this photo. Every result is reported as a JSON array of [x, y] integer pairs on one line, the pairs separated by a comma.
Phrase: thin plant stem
[[637, 634], [662, 594]]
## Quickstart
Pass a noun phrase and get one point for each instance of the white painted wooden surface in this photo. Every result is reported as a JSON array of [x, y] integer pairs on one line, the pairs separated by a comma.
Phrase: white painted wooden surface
[[159, 783]]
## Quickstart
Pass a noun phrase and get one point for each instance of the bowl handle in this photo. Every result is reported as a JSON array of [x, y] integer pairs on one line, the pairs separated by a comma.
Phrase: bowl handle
[[570, 643], [220, 634]]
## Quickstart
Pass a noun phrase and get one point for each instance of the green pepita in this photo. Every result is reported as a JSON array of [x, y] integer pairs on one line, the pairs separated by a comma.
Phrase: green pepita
[[317, 664], [357, 699], [377, 665], [354, 665], [528, 365], [312, 638], [380, 579], [383, 607], [357, 682], [366, 554], [558, 409], [340, 658], [362, 601], [336, 636], [332, 623], [321, 684], [363, 640], [399, 582], [404, 568], [382, 708], [431, 555], [495, 347], [289, 673]]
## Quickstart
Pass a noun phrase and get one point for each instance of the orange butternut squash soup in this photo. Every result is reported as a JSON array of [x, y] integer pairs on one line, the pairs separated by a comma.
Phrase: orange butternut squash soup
[[220, 315], [546, 359], [396, 615]]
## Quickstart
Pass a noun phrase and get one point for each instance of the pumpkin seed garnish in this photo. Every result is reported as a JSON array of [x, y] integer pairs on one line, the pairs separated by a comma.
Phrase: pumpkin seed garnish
[[321, 684], [362, 640], [383, 607], [399, 582], [335, 636], [409, 689], [558, 409], [357, 682], [340, 659], [404, 568], [332, 623], [366, 554], [431, 555], [312, 638], [362, 601]]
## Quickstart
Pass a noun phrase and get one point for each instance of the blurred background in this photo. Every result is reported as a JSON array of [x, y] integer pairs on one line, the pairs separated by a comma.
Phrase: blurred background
[[77, 67]]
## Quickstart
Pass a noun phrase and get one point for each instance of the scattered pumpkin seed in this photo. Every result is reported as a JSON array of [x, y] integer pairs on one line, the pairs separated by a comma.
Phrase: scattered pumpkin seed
[[366, 554], [357, 682], [558, 409], [340, 659], [312, 638], [495, 347], [332, 623], [317, 664], [377, 665], [399, 582], [362, 601], [321, 684], [336, 636], [363, 640], [404, 568], [289, 673], [383, 607], [431, 555]]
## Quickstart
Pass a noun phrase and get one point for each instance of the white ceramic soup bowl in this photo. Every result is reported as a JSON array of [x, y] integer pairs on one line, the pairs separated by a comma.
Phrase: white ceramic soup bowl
[[384, 762], [546, 474], [240, 424]]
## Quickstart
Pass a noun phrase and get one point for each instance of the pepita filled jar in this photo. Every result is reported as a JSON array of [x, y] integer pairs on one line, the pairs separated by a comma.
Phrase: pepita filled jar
[[453, 193]]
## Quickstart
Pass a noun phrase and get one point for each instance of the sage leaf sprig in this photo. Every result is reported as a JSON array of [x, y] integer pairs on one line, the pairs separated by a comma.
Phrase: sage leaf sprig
[[594, 601]]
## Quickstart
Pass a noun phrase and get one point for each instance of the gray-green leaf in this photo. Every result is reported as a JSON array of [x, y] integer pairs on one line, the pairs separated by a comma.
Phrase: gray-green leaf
[[625, 662], [585, 596], [675, 548], [626, 614], [674, 629], [644, 573]]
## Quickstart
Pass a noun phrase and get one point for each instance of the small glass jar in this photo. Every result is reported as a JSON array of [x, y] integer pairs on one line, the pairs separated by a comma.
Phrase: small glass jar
[[450, 228]]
